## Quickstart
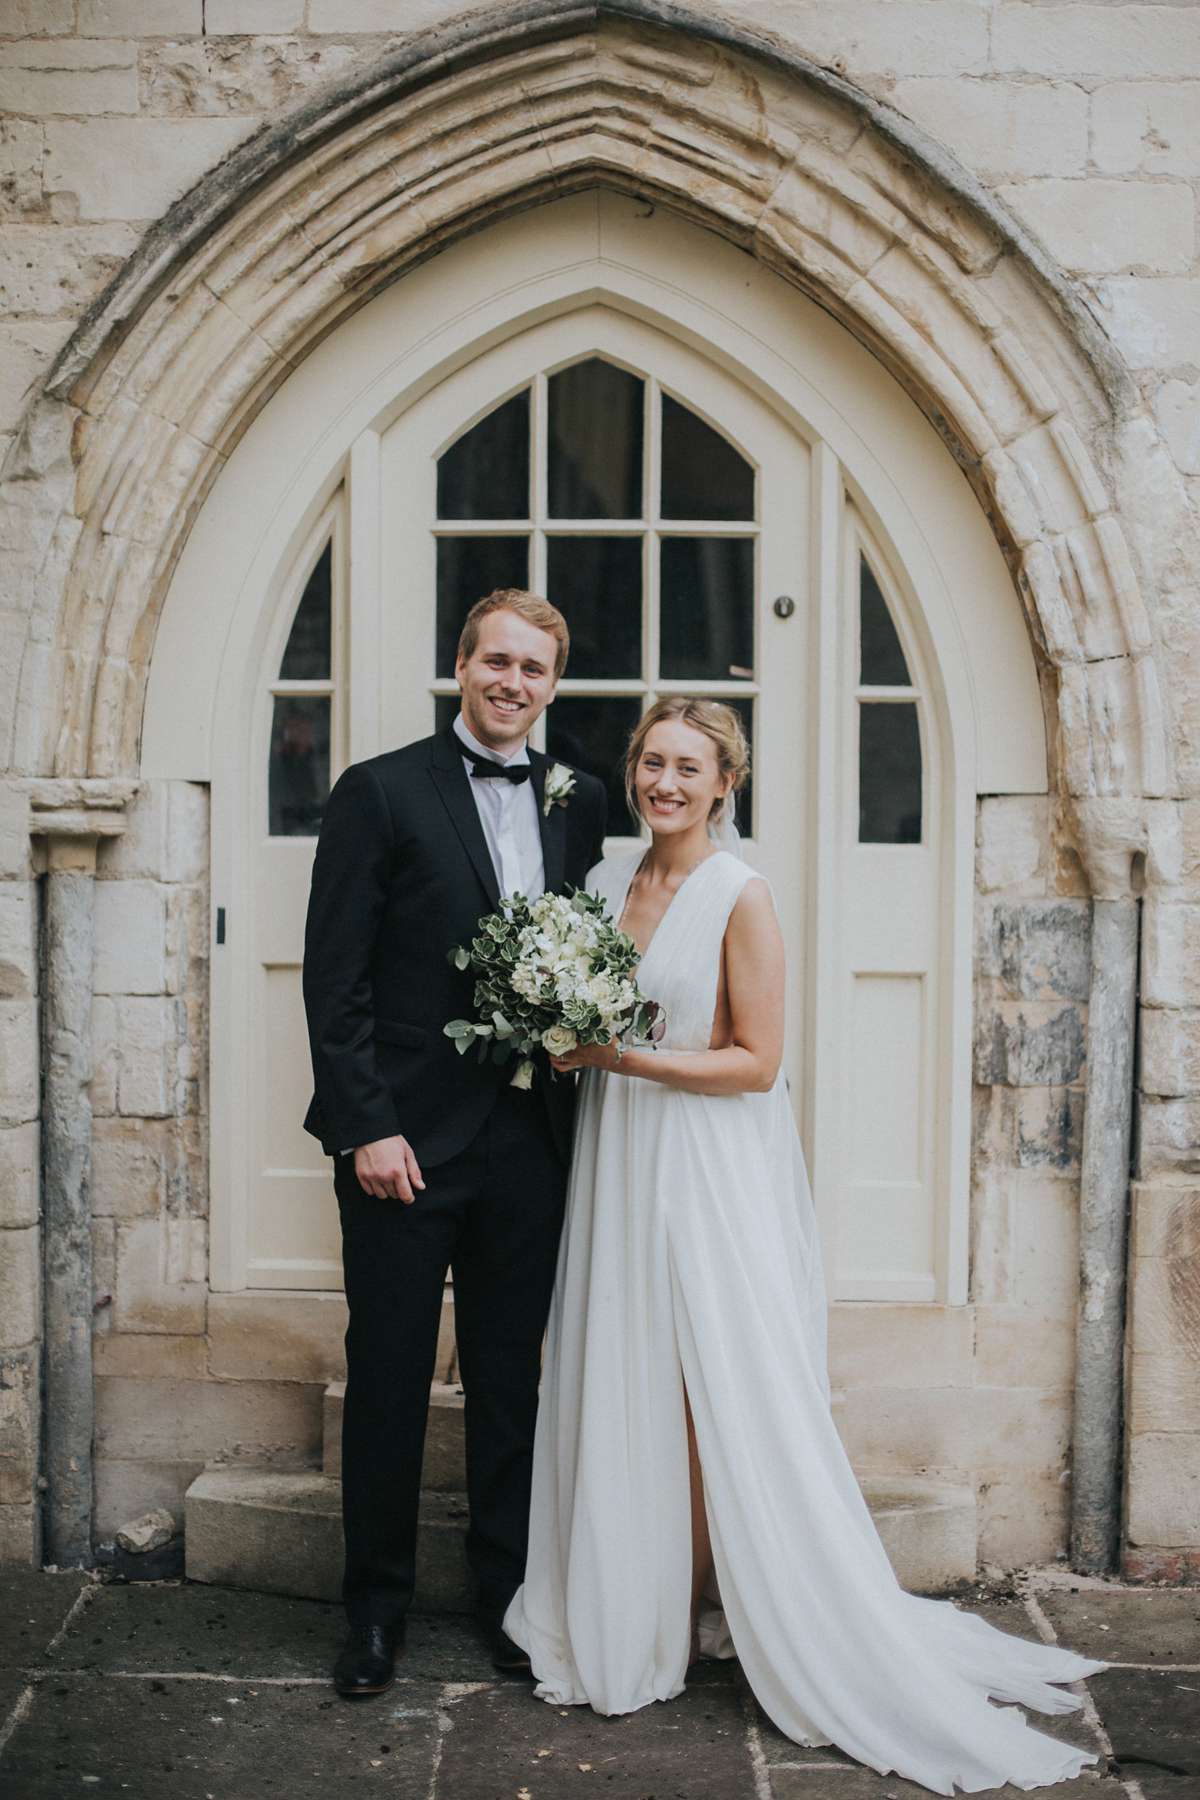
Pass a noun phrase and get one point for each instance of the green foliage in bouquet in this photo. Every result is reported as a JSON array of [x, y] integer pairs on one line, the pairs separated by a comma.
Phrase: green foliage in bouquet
[[551, 975]]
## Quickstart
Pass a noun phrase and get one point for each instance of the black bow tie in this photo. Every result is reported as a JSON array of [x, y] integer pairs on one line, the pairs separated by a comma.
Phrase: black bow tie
[[487, 770]]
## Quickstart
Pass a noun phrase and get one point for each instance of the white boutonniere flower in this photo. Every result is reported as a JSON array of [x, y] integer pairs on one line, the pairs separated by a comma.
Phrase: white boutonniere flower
[[560, 785]]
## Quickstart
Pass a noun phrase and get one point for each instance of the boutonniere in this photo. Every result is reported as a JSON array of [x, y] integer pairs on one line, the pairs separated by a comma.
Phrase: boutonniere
[[560, 785]]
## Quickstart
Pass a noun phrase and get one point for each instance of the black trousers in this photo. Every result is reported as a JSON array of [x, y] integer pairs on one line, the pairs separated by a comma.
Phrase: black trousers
[[493, 1214]]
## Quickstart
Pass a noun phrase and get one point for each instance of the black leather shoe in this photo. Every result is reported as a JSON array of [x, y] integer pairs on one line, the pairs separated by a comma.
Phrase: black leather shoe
[[508, 1657], [367, 1665]]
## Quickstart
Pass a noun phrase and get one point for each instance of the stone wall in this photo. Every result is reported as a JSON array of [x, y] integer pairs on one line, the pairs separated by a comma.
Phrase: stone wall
[[1084, 121]]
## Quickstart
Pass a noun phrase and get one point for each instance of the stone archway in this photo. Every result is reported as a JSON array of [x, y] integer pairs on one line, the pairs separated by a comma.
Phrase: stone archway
[[828, 189]]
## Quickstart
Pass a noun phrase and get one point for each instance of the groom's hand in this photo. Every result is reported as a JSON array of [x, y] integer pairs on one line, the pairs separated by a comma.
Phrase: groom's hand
[[388, 1169]]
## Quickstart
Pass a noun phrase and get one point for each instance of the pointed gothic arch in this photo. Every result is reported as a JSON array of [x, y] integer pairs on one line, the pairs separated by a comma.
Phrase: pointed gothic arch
[[315, 215]]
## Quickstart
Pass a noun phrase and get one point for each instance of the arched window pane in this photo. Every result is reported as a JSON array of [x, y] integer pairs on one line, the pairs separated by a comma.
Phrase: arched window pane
[[596, 583], [703, 476], [591, 733], [310, 642], [485, 475], [881, 660], [706, 620], [595, 442], [298, 783], [468, 568], [889, 773]]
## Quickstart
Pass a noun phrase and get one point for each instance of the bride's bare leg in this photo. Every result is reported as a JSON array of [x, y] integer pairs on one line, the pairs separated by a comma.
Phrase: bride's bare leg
[[702, 1558]]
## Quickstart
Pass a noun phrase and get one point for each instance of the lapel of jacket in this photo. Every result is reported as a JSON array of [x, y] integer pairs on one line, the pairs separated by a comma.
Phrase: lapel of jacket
[[454, 785], [553, 826]]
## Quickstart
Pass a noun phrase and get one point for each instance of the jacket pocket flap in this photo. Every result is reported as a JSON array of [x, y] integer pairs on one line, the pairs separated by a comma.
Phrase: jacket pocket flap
[[394, 1031]]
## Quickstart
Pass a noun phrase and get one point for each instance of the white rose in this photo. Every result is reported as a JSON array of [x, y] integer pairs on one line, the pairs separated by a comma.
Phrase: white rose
[[522, 1075], [559, 1040]]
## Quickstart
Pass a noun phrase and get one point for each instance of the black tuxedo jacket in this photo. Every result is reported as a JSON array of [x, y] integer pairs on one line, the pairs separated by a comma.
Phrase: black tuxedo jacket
[[402, 872]]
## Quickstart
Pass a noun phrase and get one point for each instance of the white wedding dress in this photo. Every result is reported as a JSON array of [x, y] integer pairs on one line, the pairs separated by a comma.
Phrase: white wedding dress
[[689, 1255]]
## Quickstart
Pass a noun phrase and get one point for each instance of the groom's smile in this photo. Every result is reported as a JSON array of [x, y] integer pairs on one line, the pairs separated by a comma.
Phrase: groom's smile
[[508, 680]]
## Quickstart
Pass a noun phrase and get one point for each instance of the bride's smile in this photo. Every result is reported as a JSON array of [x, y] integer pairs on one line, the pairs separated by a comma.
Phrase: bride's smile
[[678, 780]]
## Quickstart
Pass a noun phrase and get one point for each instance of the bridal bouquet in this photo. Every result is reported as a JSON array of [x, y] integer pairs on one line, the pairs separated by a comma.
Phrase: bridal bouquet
[[556, 973]]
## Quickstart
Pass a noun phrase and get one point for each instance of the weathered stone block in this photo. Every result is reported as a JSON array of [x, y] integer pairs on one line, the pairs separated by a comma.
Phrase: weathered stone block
[[106, 1062], [275, 1424], [39, 92], [130, 933], [166, 836], [1170, 1051], [1164, 1312], [40, 15], [147, 1034], [135, 18], [217, 76], [1024, 1518], [1115, 41], [986, 1433], [27, 348], [1177, 409], [1025, 1238], [1103, 227], [20, 1379], [20, 1540], [153, 1357], [227, 17], [1168, 1135], [1034, 1044], [873, 1344], [160, 1276], [1163, 1489], [127, 1489], [1146, 125], [1025, 1346], [928, 1530], [286, 1337], [134, 168], [20, 1175], [14, 834], [1154, 320], [136, 1167], [1011, 841], [1002, 130], [1170, 953], [104, 1273], [1041, 949], [19, 1073], [46, 269]]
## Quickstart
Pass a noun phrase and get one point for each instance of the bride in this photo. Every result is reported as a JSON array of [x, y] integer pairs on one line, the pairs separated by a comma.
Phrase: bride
[[684, 1431]]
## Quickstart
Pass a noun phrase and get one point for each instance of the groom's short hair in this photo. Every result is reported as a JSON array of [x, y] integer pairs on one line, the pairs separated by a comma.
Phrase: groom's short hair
[[530, 607]]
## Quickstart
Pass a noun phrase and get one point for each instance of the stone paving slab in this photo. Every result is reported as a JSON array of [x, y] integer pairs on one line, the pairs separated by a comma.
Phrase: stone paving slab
[[142, 1739], [32, 1609], [506, 1745], [1128, 1625], [858, 1783], [1151, 1719]]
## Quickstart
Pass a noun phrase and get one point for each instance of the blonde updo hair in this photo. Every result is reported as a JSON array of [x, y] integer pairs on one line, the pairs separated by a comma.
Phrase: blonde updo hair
[[721, 725]]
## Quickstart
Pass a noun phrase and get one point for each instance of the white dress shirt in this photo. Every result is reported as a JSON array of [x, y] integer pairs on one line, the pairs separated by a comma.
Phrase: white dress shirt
[[508, 813]]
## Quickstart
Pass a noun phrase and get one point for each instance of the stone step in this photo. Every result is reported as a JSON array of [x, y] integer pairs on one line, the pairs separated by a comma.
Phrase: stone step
[[282, 1534], [444, 1469]]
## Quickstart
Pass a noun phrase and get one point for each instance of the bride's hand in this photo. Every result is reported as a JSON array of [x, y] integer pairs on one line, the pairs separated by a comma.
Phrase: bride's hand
[[586, 1056]]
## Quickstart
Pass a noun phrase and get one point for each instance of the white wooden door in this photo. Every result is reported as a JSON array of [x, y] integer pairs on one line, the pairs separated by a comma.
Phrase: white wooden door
[[293, 1239]]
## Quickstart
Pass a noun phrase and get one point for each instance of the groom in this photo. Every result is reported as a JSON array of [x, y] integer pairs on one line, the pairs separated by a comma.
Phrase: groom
[[439, 1162]]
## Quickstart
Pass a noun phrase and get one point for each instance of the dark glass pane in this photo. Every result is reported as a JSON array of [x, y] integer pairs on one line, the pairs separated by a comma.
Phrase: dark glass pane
[[298, 785], [745, 800], [485, 475], [592, 734], [446, 708], [596, 583], [889, 773], [309, 645], [881, 660], [468, 568], [703, 476], [706, 612], [595, 444]]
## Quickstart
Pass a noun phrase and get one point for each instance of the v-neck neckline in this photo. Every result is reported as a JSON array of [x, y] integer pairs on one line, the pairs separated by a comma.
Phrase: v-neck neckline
[[633, 873]]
